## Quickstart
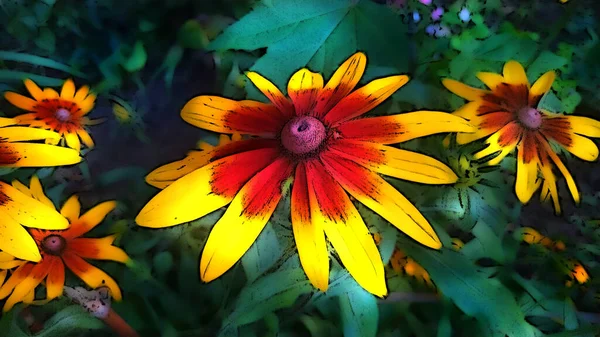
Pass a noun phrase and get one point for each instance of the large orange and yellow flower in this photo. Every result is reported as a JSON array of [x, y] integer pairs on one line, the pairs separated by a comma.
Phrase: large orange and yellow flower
[[509, 112], [317, 137], [64, 113], [64, 248]]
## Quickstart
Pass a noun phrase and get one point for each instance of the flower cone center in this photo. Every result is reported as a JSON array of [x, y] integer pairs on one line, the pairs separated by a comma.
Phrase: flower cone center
[[530, 118], [62, 114], [54, 244], [303, 134]]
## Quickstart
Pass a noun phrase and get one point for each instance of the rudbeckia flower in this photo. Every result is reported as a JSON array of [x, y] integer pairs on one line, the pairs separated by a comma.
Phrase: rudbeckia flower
[[18, 210], [16, 149], [64, 248], [64, 113], [508, 114], [317, 137]]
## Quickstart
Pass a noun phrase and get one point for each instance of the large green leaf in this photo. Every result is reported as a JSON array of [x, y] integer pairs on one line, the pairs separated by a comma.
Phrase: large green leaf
[[320, 34], [269, 293], [473, 292], [265, 251], [359, 313], [69, 321]]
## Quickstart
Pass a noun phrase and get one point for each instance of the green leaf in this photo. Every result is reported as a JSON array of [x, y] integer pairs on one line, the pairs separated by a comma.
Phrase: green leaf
[[315, 33], [137, 59], [72, 319], [319, 327], [551, 103], [39, 61], [20, 76], [359, 313], [263, 253], [46, 40], [267, 294], [570, 315], [545, 62], [192, 35], [473, 292], [486, 244], [163, 262]]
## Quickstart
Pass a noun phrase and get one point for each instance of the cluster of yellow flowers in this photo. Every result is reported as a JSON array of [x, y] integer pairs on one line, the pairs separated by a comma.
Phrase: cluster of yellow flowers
[[317, 135]]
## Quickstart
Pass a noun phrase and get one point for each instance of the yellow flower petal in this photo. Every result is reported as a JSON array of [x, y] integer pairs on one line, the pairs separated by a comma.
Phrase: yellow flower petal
[[23, 133], [91, 219], [515, 74], [81, 94], [28, 211], [20, 101], [246, 216], [549, 189], [468, 111], [491, 80], [582, 148], [17, 277], [186, 199], [527, 182], [55, 281], [71, 208], [38, 192], [98, 249], [25, 287], [165, 175], [494, 146], [272, 93], [87, 104], [34, 90], [16, 241], [68, 90], [91, 275], [224, 115], [377, 194], [403, 127], [73, 141], [463, 90], [308, 234], [38, 155], [364, 99], [345, 229], [583, 125], [394, 162], [86, 138], [22, 188], [341, 83], [50, 93], [304, 88], [565, 172], [542, 85], [7, 121]]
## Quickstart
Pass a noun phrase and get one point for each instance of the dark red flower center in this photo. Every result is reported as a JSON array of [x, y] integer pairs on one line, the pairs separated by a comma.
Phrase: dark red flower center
[[62, 114], [54, 244], [530, 118], [303, 134]]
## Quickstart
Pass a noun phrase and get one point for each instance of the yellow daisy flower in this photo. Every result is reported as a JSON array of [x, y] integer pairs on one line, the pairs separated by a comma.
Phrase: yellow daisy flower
[[64, 248], [319, 136], [64, 113], [509, 116]]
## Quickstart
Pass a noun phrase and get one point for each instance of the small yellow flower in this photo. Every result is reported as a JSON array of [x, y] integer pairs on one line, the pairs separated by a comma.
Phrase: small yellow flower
[[61, 249], [509, 117], [64, 113]]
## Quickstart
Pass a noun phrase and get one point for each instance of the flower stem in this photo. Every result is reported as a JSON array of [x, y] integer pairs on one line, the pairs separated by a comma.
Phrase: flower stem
[[118, 325]]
